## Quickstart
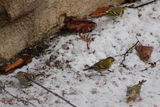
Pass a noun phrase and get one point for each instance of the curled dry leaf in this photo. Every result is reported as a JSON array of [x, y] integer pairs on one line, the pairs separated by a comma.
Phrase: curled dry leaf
[[98, 12], [144, 52], [80, 25], [14, 65], [18, 63]]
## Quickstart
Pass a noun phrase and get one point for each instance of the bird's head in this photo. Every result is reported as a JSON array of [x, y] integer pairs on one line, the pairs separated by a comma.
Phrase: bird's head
[[19, 73], [111, 59]]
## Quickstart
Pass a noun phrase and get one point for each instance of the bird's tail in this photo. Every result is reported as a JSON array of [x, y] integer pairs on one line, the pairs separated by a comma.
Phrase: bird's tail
[[90, 68], [85, 69]]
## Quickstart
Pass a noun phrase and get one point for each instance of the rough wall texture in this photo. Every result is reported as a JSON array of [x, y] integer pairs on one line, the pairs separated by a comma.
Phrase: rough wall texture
[[24, 22]]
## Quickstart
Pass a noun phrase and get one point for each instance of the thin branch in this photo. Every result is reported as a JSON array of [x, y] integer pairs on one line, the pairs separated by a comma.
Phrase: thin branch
[[126, 53], [87, 42], [86, 39], [132, 6], [151, 66], [2, 86], [51, 92]]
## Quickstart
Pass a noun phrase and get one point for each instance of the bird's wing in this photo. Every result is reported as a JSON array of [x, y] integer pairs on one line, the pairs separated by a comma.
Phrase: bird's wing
[[103, 64]]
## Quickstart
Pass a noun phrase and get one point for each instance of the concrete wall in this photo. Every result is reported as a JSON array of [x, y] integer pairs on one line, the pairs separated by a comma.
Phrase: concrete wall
[[25, 22]]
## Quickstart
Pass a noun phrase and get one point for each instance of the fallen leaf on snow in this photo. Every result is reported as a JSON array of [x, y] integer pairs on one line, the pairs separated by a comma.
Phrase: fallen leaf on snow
[[84, 39], [144, 52], [6, 100], [80, 25], [33, 98], [19, 62]]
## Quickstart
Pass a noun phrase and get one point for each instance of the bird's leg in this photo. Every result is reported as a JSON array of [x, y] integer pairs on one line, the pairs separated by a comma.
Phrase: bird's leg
[[140, 98]]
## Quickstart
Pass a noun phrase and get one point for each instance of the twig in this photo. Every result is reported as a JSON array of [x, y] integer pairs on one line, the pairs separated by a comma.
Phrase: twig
[[126, 53], [2, 86], [131, 6], [87, 43], [86, 39], [139, 41], [51, 92], [150, 66]]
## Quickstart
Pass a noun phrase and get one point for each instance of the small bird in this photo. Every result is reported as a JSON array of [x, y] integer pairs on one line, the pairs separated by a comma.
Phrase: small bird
[[25, 78], [102, 65], [133, 92], [114, 11]]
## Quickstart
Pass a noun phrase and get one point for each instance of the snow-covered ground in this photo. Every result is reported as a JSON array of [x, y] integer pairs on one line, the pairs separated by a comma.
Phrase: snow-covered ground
[[63, 63]]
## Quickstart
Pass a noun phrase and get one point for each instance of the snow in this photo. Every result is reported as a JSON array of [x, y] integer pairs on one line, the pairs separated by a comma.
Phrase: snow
[[63, 63]]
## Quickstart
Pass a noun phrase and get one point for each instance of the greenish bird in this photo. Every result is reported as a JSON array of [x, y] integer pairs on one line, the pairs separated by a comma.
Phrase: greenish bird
[[114, 11], [133, 92], [102, 65], [25, 78]]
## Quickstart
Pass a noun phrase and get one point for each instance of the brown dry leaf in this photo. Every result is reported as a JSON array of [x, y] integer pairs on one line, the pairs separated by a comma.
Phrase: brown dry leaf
[[98, 12], [13, 57], [97, 83], [18, 63], [6, 100], [144, 52], [14, 65], [80, 25], [27, 59], [33, 98], [105, 80]]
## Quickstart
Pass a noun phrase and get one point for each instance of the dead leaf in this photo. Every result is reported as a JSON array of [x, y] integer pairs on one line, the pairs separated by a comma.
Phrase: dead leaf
[[97, 83], [33, 98], [80, 25], [18, 63], [144, 52], [6, 100], [14, 65], [98, 12]]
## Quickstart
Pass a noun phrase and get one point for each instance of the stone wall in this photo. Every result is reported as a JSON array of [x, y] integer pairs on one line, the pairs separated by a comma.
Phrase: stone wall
[[25, 22]]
